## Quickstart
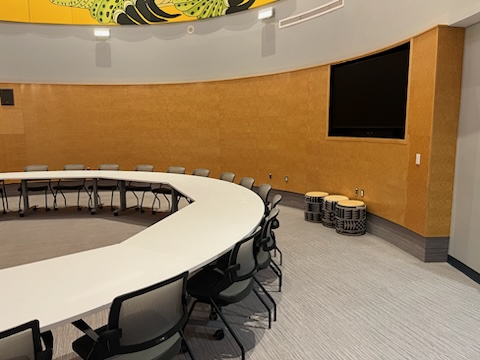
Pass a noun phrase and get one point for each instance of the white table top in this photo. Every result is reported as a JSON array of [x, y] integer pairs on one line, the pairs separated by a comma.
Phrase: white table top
[[63, 289]]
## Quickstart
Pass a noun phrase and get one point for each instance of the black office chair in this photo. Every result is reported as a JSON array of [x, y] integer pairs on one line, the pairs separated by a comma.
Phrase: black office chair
[[36, 186], [165, 189], [3, 194], [227, 176], [70, 185], [268, 243], [143, 324], [247, 182], [201, 172], [106, 185], [263, 192], [135, 186], [276, 224], [228, 281], [24, 342]]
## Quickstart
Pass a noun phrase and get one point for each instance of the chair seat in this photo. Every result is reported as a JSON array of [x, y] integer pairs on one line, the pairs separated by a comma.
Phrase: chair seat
[[162, 190], [68, 187], [165, 350], [263, 259], [137, 188], [36, 188], [201, 284]]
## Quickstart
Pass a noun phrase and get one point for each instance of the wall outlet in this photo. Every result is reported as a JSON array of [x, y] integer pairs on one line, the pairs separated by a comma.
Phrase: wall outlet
[[269, 175], [286, 178], [362, 193], [356, 191]]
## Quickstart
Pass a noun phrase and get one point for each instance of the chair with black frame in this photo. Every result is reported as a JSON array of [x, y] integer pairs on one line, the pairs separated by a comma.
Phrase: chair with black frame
[[24, 342], [201, 172], [70, 185], [268, 243], [247, 182], [276, 224], [228, 281], [263, 191], [227, 176], [135, 186], [105, 185], [143, 324], [35, 186], [3, 194], [164, 189]]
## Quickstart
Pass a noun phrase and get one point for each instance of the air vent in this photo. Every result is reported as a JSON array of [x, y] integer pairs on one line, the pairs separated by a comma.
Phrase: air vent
[[311, 14]]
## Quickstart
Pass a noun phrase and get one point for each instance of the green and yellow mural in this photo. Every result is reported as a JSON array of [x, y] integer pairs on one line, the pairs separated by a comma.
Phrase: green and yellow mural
[[120, 12]]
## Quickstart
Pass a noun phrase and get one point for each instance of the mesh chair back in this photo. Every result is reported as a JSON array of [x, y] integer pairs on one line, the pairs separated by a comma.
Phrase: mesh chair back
[[201, 172], [247, 182], [227, 176], [275, 200], [21, 342], [263, 191], [36, 168], [268, 236], [176, 170], [74, 167], [149, 316], [111, 167], [244, 254], [144, 167]]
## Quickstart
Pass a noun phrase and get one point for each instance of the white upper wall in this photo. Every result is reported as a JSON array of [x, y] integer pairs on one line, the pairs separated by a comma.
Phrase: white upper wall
[[232, 46], [465, 230]]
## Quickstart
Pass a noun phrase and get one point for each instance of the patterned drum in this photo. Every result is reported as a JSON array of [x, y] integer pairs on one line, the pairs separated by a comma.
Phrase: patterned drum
[[329, 205], [351, 217], [313, 206]]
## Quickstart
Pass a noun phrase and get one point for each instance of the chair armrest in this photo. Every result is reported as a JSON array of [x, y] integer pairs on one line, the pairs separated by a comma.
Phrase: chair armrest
[[86, 329], [46, 354]]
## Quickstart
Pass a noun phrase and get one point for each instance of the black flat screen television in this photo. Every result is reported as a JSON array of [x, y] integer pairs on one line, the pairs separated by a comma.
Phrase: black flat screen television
[[368, 96]]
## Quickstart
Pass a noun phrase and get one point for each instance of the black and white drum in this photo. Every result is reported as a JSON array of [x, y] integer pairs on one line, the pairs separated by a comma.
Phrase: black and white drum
[[313, 206], [328, 211], [351, 217]]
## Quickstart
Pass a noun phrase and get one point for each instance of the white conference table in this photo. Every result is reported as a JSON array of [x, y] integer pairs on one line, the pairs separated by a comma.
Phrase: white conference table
[[60, 290]]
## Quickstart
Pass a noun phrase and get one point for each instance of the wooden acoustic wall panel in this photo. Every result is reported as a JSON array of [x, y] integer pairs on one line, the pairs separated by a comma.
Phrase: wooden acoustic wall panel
[[419, 128], [444, 131]]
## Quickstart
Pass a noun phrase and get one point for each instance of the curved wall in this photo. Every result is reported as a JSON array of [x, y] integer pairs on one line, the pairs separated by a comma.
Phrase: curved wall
[[233, 46]]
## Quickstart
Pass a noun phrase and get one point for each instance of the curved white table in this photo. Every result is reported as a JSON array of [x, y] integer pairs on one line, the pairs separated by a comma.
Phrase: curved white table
[[63, 289]]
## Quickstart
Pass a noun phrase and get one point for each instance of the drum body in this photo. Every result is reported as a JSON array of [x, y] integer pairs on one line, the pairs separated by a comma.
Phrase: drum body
[[313, 206], [351, 217], [329, 206]]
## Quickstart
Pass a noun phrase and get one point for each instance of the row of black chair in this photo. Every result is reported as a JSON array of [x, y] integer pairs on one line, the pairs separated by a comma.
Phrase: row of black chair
[[150, 322]]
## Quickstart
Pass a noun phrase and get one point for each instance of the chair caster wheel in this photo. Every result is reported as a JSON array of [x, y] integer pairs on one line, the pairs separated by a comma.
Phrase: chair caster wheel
[[153, 212], [21, 214], [55, 209], [142, 211], [35, 209], [4, 211], [213, 316], [136, 209], [79, 209], [112, 209], [115, 213], [100, 206], [47, 209], [219, 334]]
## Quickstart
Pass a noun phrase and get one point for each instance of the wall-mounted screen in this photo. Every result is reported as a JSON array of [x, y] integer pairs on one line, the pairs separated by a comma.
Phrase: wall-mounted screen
[[368, 96]]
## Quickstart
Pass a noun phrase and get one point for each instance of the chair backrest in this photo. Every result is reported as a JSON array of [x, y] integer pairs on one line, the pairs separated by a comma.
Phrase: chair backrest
[[268, 236], [23, 342], [176, 170], [111, 167], [227, 176], [74, 167], [244, 254], [144, 167], [148, 316], [247, 182], [275, 200], [36, 168], [263, 191], [201, 172]]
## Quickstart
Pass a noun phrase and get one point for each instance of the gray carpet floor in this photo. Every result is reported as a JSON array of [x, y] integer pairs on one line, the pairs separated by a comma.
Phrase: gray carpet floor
[[342, 298]]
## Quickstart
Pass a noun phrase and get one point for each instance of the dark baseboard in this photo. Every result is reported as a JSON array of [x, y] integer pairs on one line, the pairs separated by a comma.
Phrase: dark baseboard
[[426, 249], [472, 274]]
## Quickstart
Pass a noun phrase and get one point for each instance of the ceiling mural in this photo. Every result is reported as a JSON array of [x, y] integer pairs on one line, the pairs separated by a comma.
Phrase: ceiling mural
[[120, 12]]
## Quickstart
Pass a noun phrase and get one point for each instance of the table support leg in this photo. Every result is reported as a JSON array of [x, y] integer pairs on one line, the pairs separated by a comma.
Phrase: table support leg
[[95, 197], [26, 203], [175, 195], [123, 197]]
